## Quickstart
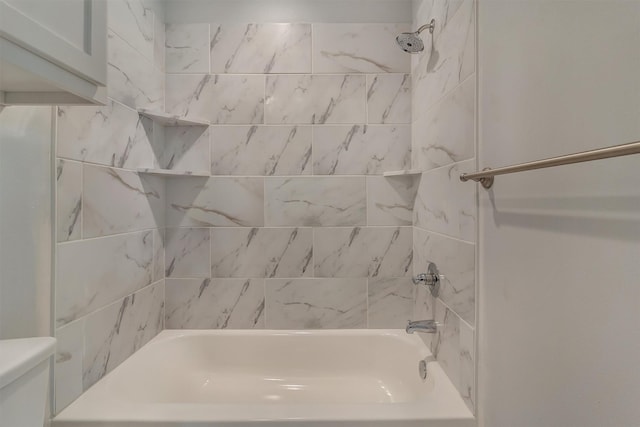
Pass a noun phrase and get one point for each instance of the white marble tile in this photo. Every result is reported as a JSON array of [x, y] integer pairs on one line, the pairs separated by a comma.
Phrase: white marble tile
[[390, 200], [187, 252], [118, 201], [389, 98], [446, 205], [456, 261], [445, 343], [113, 135], [261, 48], [159, 41], [445, 133], [423, 309], [424, 303], [158, 255], [467, 386], [315, 99], [216, 201], [261, 150], [315, 201], [261, 252], [133, 21], [316, 303], [366, 48], [446, 63], [68, 364], [93, 273], [185, 148], [361, 149], [120, 329], [390, 302], [69, 200], [132, 79], [222, 99], [214, 303], [187, 48], [363, 252], [440, 10]]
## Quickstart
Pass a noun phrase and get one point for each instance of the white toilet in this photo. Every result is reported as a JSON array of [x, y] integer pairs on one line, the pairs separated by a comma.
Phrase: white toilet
[[24, 377]]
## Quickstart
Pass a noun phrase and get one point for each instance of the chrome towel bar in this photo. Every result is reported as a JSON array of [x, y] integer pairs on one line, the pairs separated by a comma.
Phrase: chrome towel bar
[[486, 176]]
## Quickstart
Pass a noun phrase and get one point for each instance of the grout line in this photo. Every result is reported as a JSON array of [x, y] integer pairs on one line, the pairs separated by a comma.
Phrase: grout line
[[109, 28], [211, 253], [264, 293], [209, 56], [297, 74], [444, 235], [53, 187], [455, 313], [284, 227], [441, 99], [448, 165], [313, 252], [108, 304], [367, 303], [82, 204], [88, 239]]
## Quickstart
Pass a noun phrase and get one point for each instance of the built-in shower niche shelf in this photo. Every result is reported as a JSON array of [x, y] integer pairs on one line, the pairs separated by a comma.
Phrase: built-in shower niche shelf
[[165, 119], [171, 172], [404, 172]]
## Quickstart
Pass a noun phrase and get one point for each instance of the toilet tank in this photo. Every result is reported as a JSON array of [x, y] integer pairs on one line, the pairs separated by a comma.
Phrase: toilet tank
[[24, 377]]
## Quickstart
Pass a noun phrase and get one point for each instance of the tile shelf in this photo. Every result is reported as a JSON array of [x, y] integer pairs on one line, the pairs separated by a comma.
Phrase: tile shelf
[[405, 172], [171, 172], [169, 120]]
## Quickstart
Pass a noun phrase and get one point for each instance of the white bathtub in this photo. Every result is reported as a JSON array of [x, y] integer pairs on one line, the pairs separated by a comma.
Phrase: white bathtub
[[292, 378]]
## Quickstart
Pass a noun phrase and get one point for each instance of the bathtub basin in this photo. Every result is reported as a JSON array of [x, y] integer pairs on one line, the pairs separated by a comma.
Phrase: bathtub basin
[[208, 378]]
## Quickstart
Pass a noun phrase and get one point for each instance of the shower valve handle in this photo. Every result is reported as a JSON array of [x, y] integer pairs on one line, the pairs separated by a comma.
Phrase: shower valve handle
[[432, 278]]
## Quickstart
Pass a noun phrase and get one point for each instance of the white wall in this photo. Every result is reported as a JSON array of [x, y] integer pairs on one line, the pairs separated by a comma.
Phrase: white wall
[[559, 249], [25, 221]]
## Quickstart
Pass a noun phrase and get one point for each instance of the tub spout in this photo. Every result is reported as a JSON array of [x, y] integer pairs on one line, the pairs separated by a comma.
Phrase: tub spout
[[428, 326]]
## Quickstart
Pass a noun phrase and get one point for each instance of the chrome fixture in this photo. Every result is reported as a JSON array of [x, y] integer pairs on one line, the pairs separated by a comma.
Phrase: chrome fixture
[[422, 369], [431, 278], [427, 326], [411, 42], [486, 176]]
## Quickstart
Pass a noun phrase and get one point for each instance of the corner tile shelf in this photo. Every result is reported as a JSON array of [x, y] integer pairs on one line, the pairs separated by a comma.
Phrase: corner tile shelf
[[171, 172], [405, 172], [168, 120]]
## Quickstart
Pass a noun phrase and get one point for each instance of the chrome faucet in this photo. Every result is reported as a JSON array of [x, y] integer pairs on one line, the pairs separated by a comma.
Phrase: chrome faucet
[[427, 326]]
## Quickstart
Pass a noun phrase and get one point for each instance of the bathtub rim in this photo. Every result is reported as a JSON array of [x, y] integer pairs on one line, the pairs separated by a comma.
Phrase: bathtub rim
[[445, 407]]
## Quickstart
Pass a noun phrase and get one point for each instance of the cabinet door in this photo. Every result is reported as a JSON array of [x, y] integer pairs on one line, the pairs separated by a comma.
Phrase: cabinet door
[[70, 33]]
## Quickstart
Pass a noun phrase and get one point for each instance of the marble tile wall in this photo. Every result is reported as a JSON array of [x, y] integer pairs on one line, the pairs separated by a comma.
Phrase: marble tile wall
[[295, 227], [109, 288], [445, 210]]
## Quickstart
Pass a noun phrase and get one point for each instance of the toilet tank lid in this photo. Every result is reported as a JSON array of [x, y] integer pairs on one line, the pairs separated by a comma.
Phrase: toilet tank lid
[[18, 356]]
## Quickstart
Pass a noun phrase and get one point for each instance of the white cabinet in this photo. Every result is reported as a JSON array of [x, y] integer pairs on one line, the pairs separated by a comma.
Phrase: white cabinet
[[53, 51]]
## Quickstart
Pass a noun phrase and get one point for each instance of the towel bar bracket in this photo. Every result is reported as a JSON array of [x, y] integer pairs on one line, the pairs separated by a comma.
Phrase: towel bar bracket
[[487, 175]]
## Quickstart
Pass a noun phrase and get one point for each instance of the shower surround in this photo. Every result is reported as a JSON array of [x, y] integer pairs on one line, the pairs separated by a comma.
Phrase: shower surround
[[293, 228]]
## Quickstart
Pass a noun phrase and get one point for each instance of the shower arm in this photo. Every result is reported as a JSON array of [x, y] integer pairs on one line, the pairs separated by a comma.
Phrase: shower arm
[[430, 26]]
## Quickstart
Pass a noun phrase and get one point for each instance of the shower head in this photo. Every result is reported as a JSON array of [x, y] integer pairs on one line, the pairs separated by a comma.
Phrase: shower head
[[411, 42]]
